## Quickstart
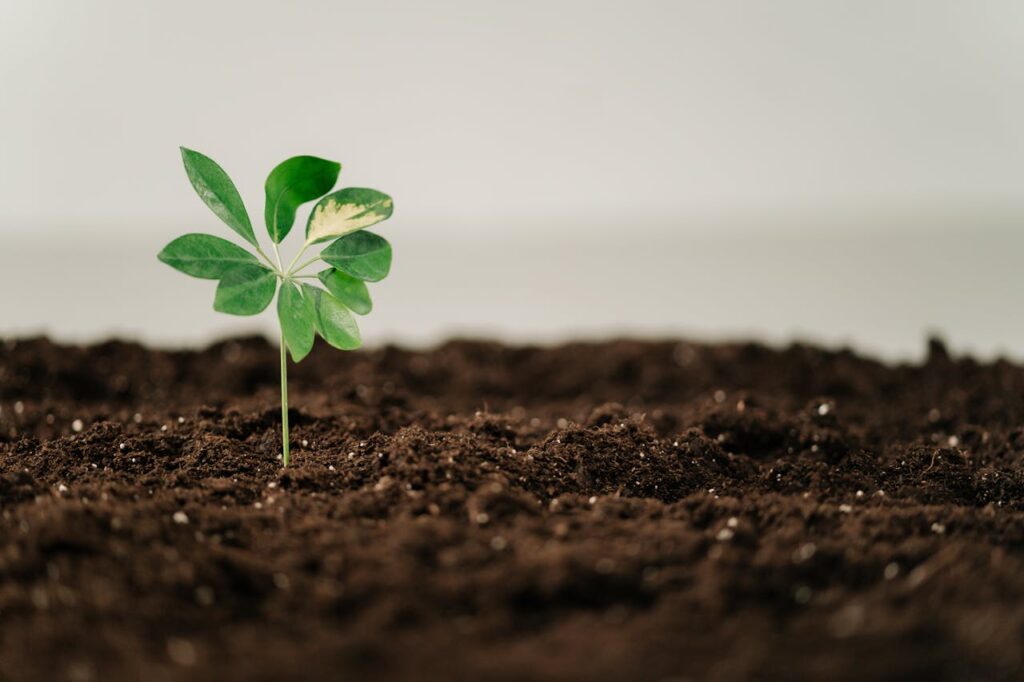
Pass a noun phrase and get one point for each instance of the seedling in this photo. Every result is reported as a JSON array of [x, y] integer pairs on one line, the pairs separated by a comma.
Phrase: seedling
[[248, 280]]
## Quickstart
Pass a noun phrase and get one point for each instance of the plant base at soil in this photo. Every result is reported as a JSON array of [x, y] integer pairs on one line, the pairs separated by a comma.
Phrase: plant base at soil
[[618, 511]]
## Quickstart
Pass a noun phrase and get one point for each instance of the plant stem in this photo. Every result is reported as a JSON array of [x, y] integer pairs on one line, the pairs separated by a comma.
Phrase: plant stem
[[266, 258], [298, 256], [284, 402], [305, 265], [277, 253]]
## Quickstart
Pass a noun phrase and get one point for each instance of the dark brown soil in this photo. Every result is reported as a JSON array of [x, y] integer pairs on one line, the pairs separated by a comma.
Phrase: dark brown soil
[[621, 511]]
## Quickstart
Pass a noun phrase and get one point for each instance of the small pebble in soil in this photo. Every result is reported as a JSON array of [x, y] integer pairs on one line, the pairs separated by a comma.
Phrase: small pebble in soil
[[804, 552], [938, 528], [163, 427], [892, 569], [823, 409], [498, 543], [860, 494], [180, 517], [181, 420], [205, 596], [137, 418], [725, 535], [481, 518], [331, 467], [953, 441], [305, 442], [62, 488], [719, 396], [181, 652], [19, 407], [847, 621], [77, 426], [562, 423], [122, 447], [845, 508]]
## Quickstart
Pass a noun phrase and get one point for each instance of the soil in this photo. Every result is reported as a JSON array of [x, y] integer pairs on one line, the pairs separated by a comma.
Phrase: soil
[[605, 511]]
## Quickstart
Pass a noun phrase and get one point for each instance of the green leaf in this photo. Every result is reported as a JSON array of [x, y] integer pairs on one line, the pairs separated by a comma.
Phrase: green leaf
[[292, 183], [349, 290], [297, 317], [347, 211], [245, 290], [362, 255], [205, 256], [333, 320], [217, 191]]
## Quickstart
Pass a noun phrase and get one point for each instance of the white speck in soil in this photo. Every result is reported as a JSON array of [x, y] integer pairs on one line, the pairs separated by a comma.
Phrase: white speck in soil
[[498, 543], [732, 522], [562, 423], [62, 488], [804, 552], [725, 535], [331, 467], [163, 427], [481, 518], [593, 499], [180, 517], [953, 441], [257, 505], [892, 569], [19, 407], [77, 426], [741, 406], [137, 418], [122, 447], [719, 396], [305, 442], [938, 528], [281, 581], [181, 420], [845, 508], [272, 485], [181, 652], [823, 409], [860, 494]]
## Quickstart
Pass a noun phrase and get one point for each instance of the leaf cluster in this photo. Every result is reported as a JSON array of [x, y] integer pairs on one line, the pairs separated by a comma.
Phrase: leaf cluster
[[249, 279]]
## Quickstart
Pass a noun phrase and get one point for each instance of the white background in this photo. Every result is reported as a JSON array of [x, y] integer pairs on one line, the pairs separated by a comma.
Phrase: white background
[[844, 172]]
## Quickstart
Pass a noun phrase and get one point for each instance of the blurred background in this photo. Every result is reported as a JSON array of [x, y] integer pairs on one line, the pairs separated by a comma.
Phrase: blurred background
[[837, 172]]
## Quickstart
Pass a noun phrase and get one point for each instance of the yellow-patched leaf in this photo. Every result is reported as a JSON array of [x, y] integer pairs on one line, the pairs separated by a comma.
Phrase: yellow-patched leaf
[[347, 211]]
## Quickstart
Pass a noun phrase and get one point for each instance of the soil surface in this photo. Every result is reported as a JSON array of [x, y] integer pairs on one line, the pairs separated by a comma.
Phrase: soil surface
[[615, 511]]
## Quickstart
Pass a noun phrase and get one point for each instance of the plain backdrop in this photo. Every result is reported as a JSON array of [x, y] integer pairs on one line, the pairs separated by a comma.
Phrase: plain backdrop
[[843, 172]]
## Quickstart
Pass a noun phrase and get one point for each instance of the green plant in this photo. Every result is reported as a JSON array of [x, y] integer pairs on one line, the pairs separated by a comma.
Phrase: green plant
[[249, 280]]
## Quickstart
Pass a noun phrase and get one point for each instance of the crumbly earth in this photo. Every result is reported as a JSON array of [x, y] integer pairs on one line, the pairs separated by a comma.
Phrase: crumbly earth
[[606, 511]]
